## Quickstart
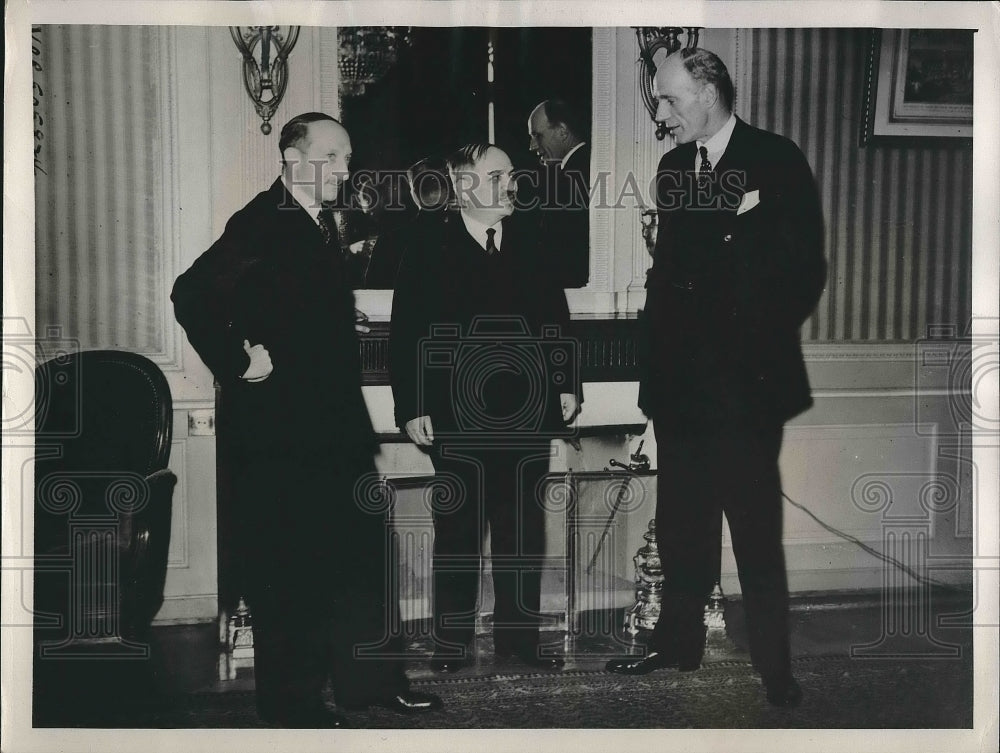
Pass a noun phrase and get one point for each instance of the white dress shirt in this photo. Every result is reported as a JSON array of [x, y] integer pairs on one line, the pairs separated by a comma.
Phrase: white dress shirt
[[304, 200], [478, 231], [569, 154], [716, 145]]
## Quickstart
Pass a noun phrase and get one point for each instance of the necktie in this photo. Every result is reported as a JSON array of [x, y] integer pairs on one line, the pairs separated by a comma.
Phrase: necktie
[[491, 246], [327, 225], [705, 169]]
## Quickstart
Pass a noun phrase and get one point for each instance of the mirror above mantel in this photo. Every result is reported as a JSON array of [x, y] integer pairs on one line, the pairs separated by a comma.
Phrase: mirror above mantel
[[603, 68]]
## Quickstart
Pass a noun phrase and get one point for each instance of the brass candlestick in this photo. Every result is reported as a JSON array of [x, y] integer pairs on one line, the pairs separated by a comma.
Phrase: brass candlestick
[[717, 642], [649, 585], [239, 642], [649, 599]]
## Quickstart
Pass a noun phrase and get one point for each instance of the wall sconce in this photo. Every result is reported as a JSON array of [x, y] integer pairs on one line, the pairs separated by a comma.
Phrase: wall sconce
[[652, 39], [265, 65]]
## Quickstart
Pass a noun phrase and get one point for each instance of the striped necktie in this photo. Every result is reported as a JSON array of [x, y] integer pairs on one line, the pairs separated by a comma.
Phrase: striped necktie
[[327, 225]]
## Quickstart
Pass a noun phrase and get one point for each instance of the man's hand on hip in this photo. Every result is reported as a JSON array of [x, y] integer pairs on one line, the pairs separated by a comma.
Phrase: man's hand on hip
[[420, 431], [260, 362]]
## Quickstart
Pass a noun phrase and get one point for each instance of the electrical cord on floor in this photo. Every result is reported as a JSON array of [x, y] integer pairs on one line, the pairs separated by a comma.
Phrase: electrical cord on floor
[[875, 553]]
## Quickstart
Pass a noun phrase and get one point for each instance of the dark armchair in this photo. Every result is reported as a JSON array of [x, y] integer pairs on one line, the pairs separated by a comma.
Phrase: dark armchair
[[103, 496]]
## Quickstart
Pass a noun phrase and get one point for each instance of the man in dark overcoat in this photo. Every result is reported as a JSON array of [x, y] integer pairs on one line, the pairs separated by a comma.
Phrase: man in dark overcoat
[[738, 267], [269, 310]]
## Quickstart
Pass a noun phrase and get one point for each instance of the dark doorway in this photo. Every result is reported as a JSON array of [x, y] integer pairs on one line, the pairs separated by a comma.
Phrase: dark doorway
[[437, 98]]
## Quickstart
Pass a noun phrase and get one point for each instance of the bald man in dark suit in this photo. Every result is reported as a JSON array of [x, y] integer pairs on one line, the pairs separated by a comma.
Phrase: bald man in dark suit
[[557, 135], [738, 267]]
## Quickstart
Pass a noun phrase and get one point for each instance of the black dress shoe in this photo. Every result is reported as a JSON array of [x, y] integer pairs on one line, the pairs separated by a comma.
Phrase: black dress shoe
[[404, 702], [784, 692], [310, 718], [654, 660]]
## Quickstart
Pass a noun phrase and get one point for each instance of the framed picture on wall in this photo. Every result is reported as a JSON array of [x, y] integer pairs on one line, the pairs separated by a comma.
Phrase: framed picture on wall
[[917, 86]]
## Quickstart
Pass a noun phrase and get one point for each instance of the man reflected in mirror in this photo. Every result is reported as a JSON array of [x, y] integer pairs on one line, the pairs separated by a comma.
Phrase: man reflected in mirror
[[557, 134]]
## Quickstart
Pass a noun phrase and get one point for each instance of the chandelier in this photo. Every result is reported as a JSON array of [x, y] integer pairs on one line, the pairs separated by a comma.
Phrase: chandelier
[[265, 52], [367, 53], [652, 39]]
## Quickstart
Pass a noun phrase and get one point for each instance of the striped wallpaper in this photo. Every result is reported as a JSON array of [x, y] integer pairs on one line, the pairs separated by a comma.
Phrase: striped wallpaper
[[100, 243], [898, 219]]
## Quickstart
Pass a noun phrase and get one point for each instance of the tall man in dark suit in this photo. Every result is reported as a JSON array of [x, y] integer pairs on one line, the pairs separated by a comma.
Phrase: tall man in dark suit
[[483, 379], [738, 266], [269, 310], [557, 134]]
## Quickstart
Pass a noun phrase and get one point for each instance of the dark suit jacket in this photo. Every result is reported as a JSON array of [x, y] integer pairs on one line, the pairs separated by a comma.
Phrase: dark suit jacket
[[565, 218], [729, 291], [396, 232], [271, 280], [446, 278]]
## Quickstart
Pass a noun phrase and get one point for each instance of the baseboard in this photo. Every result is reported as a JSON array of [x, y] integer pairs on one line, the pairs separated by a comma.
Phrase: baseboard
[[178, 610], [871, 598]]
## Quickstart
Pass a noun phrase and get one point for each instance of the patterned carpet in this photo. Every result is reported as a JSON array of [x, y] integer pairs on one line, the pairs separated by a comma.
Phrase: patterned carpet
[[838, 693]]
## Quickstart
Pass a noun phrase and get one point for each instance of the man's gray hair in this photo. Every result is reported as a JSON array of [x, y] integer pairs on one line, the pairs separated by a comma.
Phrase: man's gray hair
[[706, 67]]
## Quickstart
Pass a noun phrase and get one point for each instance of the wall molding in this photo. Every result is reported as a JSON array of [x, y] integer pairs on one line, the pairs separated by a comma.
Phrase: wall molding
[[178, 555], [853, 351], [884, 393], [607, 350], [603, 128], [192, 404], [646, 154], [188, 609], [170, 359], [888, 474], [326, 64], [609, 346]]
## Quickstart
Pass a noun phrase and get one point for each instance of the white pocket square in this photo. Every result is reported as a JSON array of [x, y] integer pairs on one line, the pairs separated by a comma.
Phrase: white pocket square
[[749, 201]]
